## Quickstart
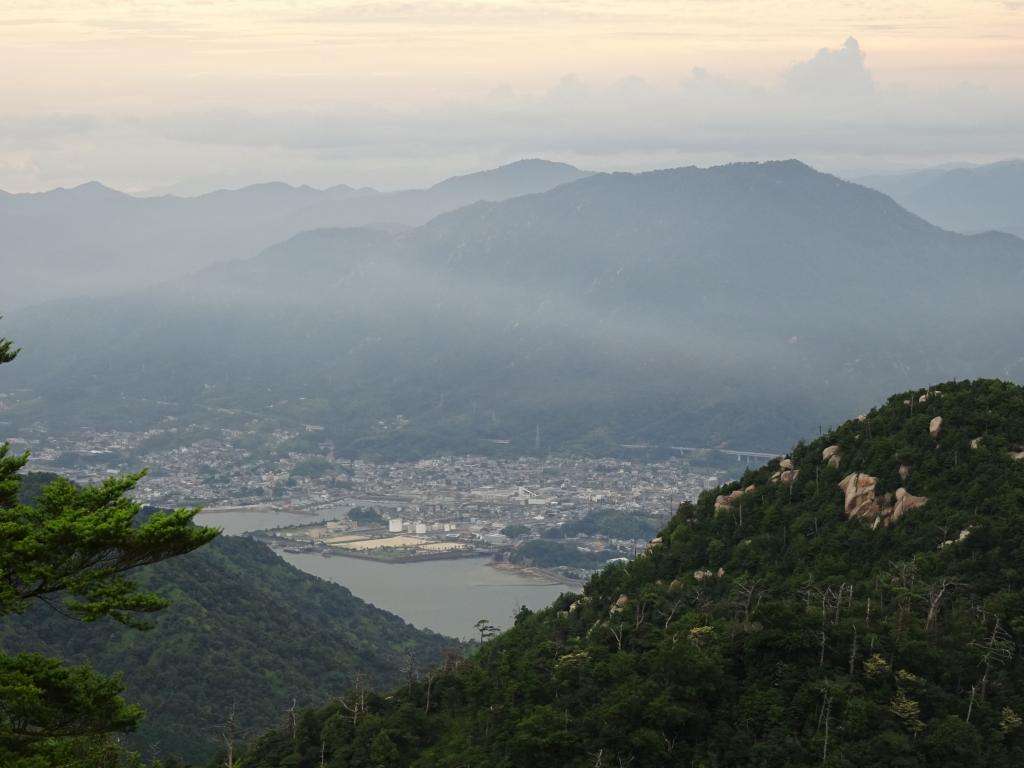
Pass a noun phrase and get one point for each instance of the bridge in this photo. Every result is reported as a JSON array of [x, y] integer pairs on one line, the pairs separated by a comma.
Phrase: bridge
[[741, 455]]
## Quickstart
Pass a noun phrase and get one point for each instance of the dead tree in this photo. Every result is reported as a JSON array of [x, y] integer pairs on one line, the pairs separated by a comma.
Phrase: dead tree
[[748, 598], [617, 634], [355, 705], [938, 592], [996, 650], [227, 735]]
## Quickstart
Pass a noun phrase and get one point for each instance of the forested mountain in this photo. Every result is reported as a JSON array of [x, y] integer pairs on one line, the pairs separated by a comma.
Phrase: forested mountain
[[972, 199], [92, 240], [857, 604], [245, 631], [663, 308]]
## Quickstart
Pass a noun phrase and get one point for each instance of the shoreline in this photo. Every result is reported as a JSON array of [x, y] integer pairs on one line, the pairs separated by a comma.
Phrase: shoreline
[[543, 577]]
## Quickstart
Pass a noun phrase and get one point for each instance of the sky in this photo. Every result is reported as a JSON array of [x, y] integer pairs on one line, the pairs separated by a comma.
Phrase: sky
[[186, 96]]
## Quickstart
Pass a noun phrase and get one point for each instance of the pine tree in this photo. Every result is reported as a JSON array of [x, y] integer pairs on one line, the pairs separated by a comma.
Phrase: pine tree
[[71, 552]]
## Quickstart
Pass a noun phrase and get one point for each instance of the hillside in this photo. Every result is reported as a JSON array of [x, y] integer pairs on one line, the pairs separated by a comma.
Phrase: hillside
[[973, 199], [862, 608], [96, 241], [244, 629], [663, 308]]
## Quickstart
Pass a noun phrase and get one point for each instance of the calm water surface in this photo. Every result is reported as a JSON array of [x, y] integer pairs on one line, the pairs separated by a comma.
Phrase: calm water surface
[[237, 522], [447, 596]]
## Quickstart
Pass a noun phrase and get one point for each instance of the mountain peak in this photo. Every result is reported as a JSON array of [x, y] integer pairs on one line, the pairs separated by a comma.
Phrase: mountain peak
[[519, 177], [90, 190]]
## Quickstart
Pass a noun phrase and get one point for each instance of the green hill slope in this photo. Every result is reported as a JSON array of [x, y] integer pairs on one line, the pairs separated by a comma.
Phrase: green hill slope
[[781, 621], [246, 630]]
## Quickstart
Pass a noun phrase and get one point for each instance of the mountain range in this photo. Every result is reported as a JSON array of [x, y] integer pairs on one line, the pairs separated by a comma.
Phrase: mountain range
[[968, 199], [664, 308], [95, 241]]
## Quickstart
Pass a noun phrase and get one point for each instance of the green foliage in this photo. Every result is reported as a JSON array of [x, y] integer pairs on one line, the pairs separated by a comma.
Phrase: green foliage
[[606, 522], [548, 554], [515, 530], [71, 550], [245, 628], [314, 467], [366, 516], [782, 635]]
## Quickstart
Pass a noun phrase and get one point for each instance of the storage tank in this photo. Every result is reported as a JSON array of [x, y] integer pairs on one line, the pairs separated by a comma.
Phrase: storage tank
[[395, 525]]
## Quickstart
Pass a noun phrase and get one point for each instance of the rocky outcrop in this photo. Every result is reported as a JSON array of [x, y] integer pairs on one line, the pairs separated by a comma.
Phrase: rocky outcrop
[[859, 491], [723, 502], [786, 473], [963, 536], [935, 426], [706, 573], [975, 443], [832, 455], [904, 472], [619, 606], [786, 476], [1017, 455], [905, 502], [862, 503]]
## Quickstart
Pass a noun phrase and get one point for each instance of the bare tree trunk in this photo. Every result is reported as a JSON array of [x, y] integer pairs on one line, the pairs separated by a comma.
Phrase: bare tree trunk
[[228, 736], [617, 635], [430, 685], [853, 651], [828, 721]]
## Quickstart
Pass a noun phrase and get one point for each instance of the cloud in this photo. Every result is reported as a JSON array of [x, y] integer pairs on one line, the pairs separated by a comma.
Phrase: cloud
[[832, 74], [828, 110], [23, 132]]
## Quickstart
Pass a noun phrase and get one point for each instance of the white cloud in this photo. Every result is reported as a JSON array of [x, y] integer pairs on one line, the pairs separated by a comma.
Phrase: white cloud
[[829, 110], [839, 73]]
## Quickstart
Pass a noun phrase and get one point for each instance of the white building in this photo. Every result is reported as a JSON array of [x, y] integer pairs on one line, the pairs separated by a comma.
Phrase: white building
[[395, 525]]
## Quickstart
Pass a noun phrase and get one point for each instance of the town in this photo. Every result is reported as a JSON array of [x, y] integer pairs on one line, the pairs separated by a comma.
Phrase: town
[[568, 515]]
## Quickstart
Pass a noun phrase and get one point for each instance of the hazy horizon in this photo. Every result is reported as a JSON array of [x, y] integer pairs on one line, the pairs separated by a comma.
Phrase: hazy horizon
[[399, 95]]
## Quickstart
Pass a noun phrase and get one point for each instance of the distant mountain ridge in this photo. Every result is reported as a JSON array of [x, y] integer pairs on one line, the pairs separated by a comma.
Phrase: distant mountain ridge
[[662, 308], [92, 240], [972, 199]]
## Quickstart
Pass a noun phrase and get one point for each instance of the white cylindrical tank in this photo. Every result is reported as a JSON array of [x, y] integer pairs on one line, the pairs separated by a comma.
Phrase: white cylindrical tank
[[395, 525], [421, 527]]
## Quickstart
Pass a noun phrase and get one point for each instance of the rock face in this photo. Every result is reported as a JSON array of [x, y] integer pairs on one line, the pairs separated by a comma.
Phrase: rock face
[[786, 476], [935, 426], [862, 503], [706, 573], [619, 606], [832, 455], [724, 502], [786, 473], [904, 503], [1017, 455], [962, 537], [975, 443], [904, 472]]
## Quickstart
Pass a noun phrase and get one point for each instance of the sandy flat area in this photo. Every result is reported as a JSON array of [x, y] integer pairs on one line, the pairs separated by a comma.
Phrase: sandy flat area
[[392, 541]]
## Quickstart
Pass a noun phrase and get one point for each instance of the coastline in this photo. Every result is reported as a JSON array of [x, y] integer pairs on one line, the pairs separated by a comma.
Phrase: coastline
[[543, 577]]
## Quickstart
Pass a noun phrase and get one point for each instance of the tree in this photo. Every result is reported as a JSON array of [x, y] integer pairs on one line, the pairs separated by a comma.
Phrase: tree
[[71, 551]]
